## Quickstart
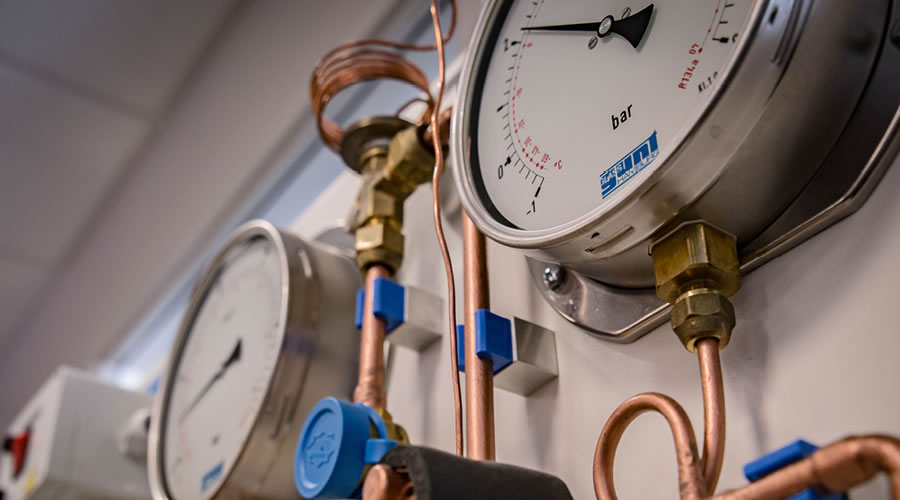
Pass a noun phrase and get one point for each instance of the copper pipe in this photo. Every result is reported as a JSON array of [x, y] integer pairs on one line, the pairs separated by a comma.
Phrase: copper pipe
[[836, 467], [385, 483], [479, 372], [713, 412], [690, 477], [439, 228], [368, 60], [709, 464], [370, 389]]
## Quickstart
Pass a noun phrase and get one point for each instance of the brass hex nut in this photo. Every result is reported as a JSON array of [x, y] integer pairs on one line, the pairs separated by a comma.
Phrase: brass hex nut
[[701, 314], [409, 164], [373, 203], [379, 242], [395, 431], [693, 254]]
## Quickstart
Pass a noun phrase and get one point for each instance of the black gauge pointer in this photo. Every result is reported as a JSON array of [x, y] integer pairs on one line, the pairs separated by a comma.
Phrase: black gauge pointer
[[232, 359], [632, 28]]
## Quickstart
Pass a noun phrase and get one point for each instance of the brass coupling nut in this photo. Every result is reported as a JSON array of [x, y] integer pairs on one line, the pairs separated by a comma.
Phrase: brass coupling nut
[[697, 269], [395, 431], [408, 164], [393, 162], [373, 203], [379, 242], [703, 313]]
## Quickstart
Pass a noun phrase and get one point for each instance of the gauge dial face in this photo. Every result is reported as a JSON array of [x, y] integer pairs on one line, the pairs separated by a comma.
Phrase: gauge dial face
[[223, 372], [573, 101]]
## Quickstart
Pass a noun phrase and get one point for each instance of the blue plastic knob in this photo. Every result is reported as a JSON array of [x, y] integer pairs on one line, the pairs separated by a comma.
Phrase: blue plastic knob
[[334, 447], [326, 463]]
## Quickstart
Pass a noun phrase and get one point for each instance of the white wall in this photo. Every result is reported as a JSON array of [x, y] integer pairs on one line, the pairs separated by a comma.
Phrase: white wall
[[815, 354]]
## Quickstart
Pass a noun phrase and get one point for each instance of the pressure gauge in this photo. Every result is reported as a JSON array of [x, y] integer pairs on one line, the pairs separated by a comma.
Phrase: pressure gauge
[[264, 338], [584, 129]]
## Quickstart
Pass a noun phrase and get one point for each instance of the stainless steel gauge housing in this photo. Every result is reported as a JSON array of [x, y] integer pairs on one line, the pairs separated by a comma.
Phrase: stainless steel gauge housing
[[766, 115], [234, 409]]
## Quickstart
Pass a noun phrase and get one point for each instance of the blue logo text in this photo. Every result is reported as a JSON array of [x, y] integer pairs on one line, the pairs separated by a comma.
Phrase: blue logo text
[[210, 477], [629, 165]]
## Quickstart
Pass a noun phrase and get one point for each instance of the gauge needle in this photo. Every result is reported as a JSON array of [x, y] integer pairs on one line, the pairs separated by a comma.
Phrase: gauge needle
[[632, 28], [233, 358]]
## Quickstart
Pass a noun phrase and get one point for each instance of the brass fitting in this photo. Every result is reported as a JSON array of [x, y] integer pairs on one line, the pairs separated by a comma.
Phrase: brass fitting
[[379, 242], [409, 164], [395, 431], [702, 313], [390, 174], [697, 269]]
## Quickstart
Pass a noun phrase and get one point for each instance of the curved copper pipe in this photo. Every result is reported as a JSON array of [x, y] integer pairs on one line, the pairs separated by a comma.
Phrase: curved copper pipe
[[836, 467], [479, 372], [367, 60], [713, 412], [690, 477], [709, 465], [385, 483], [370, 389]]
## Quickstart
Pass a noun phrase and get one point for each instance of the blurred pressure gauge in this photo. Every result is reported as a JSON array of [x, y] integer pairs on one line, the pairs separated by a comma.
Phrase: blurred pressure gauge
[[267, 334], [586, 128]]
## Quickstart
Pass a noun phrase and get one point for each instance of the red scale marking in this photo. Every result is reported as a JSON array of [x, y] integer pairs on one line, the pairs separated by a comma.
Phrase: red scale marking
[[533, 161]]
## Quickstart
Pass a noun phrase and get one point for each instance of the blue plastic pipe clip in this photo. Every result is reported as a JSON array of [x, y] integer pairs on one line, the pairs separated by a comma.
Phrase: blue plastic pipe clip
[[388, 303], [334, 448], [493, 340], [782, 457]]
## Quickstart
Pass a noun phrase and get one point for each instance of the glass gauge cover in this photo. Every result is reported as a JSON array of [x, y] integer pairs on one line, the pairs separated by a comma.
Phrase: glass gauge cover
[[576, 100], [249, 362], [223, 371], [583, 130]]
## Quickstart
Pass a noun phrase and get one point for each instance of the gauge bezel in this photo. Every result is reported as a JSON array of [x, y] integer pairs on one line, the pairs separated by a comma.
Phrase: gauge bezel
[[298, 322], [822, 73], [685, 172]]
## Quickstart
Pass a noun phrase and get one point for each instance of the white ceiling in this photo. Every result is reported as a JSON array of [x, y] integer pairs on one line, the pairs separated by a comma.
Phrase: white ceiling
[[126, 54], [81, 84]]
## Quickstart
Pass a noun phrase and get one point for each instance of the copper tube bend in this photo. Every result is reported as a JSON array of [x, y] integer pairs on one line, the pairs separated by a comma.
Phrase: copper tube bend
[[385, 483], [690, 478]]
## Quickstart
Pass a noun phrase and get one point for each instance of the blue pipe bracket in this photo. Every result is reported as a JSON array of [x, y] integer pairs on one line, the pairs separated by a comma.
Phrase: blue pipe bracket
[[522, 354], [412, 316], [781, 458]]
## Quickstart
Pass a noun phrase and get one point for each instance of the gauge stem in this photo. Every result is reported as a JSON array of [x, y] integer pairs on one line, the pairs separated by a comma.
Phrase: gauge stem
[[370, 389]]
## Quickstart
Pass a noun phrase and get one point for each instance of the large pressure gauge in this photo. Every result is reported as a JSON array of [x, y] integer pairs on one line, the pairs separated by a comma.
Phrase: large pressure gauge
[[265, 337], [585, 129]]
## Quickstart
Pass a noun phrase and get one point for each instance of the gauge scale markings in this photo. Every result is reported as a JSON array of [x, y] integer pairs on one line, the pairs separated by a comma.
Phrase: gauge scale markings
[[555, 91], [245, 286]]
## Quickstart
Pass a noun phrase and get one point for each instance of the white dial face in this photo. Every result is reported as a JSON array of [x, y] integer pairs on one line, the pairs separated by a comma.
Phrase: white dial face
[[224, 371], [578, 99]]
